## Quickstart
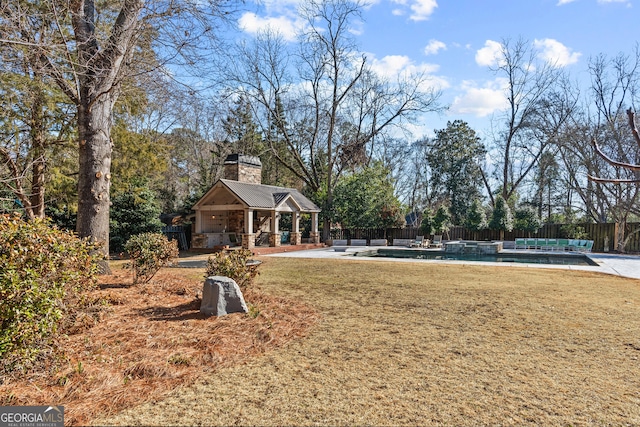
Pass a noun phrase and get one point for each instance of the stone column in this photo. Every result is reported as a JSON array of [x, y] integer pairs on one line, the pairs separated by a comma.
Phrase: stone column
[[248, 240], [296, 238], [274, 240]]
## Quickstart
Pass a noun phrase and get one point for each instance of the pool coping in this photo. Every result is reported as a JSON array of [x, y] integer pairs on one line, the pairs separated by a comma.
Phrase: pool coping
[[614, 264]]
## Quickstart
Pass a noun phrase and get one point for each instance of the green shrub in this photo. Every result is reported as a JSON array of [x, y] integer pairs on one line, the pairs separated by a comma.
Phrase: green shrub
[[44, 275], [233, 264], [476, 218], [573, 231], [426, 226], [527, 219], [149, 252], [442, 220]]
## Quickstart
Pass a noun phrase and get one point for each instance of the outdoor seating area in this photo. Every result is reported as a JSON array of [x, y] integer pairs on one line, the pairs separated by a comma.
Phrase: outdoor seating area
[[420, 242], [573, 245]]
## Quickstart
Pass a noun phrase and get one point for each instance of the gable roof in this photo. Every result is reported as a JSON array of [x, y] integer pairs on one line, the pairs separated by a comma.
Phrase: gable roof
[[260, 196]]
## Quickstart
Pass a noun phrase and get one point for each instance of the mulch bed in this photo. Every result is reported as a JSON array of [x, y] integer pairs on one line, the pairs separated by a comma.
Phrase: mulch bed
[[150, 340]]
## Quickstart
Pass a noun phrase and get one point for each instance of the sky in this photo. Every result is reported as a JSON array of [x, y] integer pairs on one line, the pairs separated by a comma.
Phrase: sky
[[454, 41]]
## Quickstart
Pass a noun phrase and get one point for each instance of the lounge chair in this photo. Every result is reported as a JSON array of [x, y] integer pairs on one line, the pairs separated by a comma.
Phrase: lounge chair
[[541, 243], [563, 244], [552, 244], [437, 241], [420, 242], [520, 243]]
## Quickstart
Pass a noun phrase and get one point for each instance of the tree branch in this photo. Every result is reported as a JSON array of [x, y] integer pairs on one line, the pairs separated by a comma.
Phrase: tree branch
[[632, 125], [635, 168]]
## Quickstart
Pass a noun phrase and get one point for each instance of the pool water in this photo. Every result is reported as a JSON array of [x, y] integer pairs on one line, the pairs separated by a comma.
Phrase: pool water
[[525, 258]]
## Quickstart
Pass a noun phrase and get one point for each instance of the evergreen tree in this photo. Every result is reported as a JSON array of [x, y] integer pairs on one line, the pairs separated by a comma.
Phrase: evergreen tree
[[426, 225], [366, 199], [442, 220], [501, 218], [134, 211], [242, 131], [527, 219], [476, 218], [454, 158]]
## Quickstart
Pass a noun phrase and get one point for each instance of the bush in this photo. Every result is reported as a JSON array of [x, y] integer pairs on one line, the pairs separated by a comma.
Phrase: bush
[[442, 220], [476, 218], [573, 231], [501, 217], [426, 225], [233, 264], [149, 252], [527, 219], [44, 275]]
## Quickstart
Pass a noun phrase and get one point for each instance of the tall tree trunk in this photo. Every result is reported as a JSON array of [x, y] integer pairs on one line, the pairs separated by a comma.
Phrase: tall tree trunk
[[38, 142], [37, 176], [94, 128]]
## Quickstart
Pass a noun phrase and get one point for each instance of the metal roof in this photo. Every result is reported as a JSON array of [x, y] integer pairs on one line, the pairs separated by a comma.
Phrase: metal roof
[[267, 196]]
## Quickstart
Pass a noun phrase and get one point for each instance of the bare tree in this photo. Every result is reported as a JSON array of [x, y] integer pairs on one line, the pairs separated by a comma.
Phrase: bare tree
[[633, 167], [537, 108], [88, 48], [600, 149], [627, 186], [323, 100]]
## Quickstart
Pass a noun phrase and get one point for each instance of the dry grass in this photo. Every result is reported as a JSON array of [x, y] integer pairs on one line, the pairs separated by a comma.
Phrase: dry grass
[[426, 344], [151, 340]]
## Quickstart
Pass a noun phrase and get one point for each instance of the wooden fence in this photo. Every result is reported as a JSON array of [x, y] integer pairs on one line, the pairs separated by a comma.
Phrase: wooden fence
[[599, 233]]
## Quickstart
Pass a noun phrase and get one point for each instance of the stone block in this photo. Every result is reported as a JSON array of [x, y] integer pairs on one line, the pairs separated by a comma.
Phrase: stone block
[[296, 238], [220, 296], [275, 240]]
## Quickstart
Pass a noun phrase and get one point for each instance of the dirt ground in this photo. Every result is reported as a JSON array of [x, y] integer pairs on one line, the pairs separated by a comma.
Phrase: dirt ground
[[336, 342], [429, 344]]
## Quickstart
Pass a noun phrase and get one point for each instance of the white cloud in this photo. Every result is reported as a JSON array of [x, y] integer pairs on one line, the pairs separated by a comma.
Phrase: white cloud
[[287, 27], [392, 67], [554, 52], [490, 54], [434, 46], [480, 101], [420, 9], [561, 2]]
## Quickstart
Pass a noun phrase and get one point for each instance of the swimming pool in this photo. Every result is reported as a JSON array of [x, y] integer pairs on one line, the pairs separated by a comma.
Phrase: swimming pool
[[525, 258]]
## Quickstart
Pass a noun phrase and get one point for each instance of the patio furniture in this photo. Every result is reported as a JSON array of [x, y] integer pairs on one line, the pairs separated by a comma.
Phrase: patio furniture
[[437, 241], [551, 245], [563, 244], [520, 243], [402, 242], [420, 242]]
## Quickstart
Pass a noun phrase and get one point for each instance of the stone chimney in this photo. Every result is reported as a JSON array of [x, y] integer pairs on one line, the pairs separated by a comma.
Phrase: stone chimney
[[239, 167]]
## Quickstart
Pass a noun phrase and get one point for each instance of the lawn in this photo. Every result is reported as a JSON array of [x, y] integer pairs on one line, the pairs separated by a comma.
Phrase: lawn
[[341, 342]]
